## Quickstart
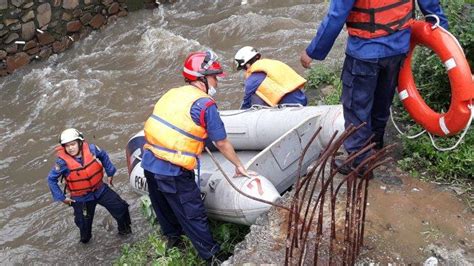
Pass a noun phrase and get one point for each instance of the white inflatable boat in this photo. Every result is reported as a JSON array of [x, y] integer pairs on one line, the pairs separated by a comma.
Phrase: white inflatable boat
[[269, 141]]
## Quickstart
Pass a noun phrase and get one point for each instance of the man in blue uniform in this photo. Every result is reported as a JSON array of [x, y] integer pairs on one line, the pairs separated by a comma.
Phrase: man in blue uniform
[[77, 163], [376, 48], [268, 82], [175, 133]]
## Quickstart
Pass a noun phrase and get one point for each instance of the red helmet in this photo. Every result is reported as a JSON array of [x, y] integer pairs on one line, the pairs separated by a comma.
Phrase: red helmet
[[201, 64]]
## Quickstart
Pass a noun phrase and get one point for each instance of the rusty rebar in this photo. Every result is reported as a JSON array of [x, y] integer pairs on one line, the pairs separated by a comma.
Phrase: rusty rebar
[[356, 184]]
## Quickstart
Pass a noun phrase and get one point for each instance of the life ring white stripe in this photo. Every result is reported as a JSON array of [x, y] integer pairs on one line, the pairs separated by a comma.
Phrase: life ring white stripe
[[442, 125], [403, 95], [450, 64]]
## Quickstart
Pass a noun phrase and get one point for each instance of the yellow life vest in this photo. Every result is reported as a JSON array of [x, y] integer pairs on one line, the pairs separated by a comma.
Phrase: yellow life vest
[[170, 132], [281, 80]]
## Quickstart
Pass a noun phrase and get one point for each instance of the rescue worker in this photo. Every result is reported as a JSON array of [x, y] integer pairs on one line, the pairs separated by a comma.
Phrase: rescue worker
[[376, 48], [268, 82], [175, 133], [82, 166]]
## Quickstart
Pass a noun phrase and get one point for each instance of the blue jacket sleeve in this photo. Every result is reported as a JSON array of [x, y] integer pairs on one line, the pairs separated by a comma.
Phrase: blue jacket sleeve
[[59, 169], [251, 85], [104, 158], [433, 7], [329, 29]]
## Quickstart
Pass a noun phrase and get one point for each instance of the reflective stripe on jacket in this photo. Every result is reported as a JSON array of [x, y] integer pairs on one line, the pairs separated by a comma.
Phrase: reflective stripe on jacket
[[171, 133], [84, 178], [281, 80], [376, 18]]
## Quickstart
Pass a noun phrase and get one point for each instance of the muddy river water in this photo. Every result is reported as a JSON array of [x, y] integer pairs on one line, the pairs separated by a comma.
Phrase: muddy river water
[[106, 86]]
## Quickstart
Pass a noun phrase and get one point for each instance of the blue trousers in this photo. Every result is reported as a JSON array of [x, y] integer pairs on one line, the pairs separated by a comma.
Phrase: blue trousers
[[117, 207], [367, 93], [179, 209]]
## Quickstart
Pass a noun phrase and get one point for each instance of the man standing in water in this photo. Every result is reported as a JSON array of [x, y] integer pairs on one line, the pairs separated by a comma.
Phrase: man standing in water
[[268, 82], [379, 39], [182, 119], [77, 163]]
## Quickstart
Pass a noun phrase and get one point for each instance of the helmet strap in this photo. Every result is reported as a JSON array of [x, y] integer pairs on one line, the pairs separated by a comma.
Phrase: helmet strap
[[206, 83]]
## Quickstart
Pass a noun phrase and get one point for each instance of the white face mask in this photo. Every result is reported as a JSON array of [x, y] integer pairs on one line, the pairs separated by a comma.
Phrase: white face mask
[[211, 91]]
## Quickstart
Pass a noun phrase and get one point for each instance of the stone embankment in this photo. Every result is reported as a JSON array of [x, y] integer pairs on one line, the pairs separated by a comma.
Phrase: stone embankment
[[34, 29]]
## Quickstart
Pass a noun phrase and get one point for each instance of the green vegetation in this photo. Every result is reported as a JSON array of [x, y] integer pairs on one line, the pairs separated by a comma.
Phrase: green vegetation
[[321, 76], [420, 158], [153, 249]]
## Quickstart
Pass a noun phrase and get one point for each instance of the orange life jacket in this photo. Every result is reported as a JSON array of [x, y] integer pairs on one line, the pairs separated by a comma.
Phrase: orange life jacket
[[281, 79], [85, 178], [171, 133], [376, 18]]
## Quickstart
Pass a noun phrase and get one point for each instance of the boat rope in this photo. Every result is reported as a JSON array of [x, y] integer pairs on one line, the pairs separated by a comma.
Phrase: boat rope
[[466, 129], [240, 191], [400, 131], [471, 108]]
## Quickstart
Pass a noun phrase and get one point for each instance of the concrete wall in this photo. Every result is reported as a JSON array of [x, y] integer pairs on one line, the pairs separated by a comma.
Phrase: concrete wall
[[34, 29]]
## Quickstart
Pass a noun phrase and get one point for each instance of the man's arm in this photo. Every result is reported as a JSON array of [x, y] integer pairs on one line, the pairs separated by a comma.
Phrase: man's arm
[[226, 148], [104, 158], [59, 169], [251, 85], [216, 132], [327, 32]]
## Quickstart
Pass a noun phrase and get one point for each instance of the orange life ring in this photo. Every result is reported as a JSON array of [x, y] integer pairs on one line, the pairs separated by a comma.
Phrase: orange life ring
[[460, 78]]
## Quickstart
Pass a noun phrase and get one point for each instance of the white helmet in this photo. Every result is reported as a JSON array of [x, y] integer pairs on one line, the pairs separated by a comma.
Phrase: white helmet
[[69, 135], [244, 55]]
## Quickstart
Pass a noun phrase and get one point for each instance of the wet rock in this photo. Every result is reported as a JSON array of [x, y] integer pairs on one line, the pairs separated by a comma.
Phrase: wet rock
[[86, 18], [70, 4], [3, 54], [12, 37], [16, 61], [107, 2], [15, 27], [97, 21], [1, 26], [45, 52], [56, 3], [45, 38], [29, 45], [28, 31], [43, 14], [28, 16], [67, 16], [11, 49], [111, 19], [17, 3], [113, 9], [73, 26], [122, 13], [3, 33], [77, 12], [3, 4], [3, 72], [15, 13], [10, 21], [59, 46], [28, 5], [33, 51]]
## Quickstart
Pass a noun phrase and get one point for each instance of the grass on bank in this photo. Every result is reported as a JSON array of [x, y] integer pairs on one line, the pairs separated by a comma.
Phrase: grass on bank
[[421, 159], [152, 250]]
